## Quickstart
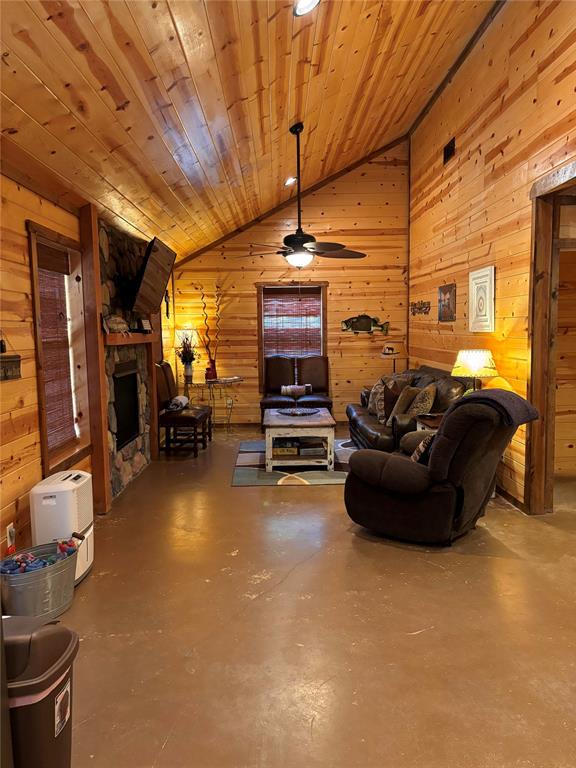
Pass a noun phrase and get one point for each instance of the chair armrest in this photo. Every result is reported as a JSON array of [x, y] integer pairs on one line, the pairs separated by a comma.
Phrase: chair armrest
[[365, 396], [412, 440], [401, 425], [390, 471]]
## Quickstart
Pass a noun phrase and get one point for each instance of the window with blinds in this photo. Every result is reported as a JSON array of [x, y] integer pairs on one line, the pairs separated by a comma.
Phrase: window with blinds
[[55, 339], [292, 320]]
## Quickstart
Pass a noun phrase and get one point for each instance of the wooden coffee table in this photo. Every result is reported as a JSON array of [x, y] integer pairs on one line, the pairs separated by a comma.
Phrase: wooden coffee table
[[319, 425]]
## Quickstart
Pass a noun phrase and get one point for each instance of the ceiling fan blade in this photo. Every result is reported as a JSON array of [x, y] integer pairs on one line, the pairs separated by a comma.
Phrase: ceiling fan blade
[[263, 245], [323, 247], [343, 254]]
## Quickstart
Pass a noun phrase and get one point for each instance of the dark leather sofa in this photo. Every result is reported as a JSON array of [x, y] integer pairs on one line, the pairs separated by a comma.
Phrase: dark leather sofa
[[281, 371], [367, 432]]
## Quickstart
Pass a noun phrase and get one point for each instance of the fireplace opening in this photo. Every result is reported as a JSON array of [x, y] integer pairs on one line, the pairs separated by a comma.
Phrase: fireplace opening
[[126, 403]]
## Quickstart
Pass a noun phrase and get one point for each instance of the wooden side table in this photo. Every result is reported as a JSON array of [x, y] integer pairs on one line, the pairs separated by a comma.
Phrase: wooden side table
[[429, 421]]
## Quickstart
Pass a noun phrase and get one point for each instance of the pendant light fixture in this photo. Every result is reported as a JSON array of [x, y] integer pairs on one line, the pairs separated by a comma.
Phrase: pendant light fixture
[[299, 259], [302, 7]]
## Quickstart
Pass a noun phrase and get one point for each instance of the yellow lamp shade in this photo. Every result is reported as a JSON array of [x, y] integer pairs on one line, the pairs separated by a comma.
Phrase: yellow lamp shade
[[477, 363]]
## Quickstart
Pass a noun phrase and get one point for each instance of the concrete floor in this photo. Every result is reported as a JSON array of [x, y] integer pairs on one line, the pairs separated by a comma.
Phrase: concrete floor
[[565, 492], [259, 628]]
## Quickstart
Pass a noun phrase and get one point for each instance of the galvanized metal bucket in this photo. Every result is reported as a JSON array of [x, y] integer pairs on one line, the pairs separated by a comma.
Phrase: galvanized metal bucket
[[47, 592]]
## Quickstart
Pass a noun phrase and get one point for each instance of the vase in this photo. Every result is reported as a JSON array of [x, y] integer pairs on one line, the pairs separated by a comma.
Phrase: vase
[[211, 370], [188, 373]]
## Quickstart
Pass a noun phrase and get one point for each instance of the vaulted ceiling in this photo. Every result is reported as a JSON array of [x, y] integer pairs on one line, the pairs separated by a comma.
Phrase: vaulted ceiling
[[173, 116]]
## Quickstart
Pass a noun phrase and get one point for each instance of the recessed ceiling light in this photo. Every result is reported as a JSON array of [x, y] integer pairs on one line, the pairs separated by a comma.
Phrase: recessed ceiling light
[[290, 181], [299, 259], [302, 7]]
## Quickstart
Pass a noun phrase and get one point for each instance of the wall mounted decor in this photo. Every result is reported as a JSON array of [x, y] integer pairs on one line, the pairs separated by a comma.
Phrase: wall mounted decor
[[10, 367], [364, 324], [447, 303], [481, 299], [419, 308]]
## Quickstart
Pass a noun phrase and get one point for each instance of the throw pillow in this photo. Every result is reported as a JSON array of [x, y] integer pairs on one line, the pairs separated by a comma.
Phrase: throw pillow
[[421, 454], [376, 393], [403, 403], [423, 402], [391, 394], [296, 390]]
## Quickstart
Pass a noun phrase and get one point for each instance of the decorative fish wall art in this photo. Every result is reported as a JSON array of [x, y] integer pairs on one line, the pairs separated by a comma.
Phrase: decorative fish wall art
[[364, 324]]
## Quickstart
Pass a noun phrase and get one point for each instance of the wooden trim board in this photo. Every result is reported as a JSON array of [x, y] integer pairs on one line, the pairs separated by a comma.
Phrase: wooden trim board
[[543, 320], [98, 386]]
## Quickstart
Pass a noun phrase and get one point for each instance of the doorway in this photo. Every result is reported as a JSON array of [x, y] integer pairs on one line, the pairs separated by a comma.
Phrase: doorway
[[564, 493], [551, 444]]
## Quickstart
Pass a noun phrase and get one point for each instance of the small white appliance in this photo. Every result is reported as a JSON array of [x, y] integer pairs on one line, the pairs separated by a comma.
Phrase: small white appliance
[[61, 505]]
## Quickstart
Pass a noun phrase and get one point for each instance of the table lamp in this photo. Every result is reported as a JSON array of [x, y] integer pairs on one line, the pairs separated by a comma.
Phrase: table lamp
[[475, 364], [394, 349]]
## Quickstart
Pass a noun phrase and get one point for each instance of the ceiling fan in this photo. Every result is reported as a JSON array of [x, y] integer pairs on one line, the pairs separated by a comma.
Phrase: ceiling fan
[[300, 248]]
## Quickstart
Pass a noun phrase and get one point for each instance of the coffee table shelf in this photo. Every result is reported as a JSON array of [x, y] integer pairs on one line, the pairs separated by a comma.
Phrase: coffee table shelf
[[320, 425]]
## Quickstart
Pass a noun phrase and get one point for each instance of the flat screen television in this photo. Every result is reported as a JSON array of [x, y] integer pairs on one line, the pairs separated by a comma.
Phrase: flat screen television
[[152, 279]]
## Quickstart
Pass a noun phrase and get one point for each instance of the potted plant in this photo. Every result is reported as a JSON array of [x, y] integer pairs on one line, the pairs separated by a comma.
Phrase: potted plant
[[187, 352]]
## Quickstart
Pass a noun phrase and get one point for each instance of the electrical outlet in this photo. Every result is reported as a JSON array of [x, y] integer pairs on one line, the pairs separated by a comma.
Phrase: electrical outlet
[[10, 536]]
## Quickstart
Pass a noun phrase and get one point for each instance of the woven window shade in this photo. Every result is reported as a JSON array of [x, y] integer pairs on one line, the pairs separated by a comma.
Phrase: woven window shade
[[56, 359], [292, 321]]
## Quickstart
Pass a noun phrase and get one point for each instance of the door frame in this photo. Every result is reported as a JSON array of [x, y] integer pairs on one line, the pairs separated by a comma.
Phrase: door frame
[[542, 328]]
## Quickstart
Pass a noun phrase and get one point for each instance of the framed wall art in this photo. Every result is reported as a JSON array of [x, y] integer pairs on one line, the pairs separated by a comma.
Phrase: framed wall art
[[481, 300], [447, 303]]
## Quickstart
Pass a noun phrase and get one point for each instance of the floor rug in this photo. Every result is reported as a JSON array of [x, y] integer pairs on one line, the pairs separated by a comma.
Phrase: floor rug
[[250, 467]]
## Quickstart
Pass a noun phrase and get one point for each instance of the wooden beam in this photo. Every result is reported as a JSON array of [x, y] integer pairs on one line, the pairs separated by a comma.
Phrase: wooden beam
[[98, 386], [539, 473], [470, 45], [554, 182], [154, 355]]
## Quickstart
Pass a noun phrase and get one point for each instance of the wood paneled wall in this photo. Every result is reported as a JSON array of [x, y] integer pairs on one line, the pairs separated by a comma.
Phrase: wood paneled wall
[[367, 209], [565, 433], [512, 111], [20, 466]]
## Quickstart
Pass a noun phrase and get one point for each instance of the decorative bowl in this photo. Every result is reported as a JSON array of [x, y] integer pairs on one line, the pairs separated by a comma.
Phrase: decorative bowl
[[298, 411]]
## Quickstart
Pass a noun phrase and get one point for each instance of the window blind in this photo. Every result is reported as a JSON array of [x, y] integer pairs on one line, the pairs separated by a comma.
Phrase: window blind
[[292, 321], [56, 359]]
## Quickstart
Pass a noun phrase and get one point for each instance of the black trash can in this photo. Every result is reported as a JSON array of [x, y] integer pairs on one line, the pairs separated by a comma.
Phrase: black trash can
[[39, 665]]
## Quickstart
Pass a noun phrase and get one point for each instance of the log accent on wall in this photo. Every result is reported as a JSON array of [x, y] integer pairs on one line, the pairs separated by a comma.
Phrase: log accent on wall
[[367, 209], [476, 210], [20, 454]]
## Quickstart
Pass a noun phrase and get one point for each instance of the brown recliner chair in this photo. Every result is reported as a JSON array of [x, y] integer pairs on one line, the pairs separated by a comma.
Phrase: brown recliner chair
[[436, 503], [280, 371]]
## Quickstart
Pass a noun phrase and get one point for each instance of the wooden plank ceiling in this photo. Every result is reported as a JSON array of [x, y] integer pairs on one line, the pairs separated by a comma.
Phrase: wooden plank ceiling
[[173, 116]]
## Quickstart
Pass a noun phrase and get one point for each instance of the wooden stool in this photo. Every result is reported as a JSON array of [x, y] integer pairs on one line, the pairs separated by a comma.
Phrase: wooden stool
[[181, 428]]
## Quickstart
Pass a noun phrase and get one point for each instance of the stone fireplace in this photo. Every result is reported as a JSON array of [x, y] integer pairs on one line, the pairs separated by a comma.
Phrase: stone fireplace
[[128, 413], [129, 403]]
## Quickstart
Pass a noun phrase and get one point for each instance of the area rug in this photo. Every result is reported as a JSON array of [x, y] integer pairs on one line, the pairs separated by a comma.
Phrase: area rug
[[250, 467]]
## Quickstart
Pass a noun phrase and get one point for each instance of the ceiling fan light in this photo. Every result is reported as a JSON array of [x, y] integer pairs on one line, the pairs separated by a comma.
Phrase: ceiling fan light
[[302, 7], [299, 259], [290, 181]]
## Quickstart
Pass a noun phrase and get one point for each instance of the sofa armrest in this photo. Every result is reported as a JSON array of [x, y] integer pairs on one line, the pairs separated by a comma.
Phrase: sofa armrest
[[401, 425], [365, 396], [390, 471]]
